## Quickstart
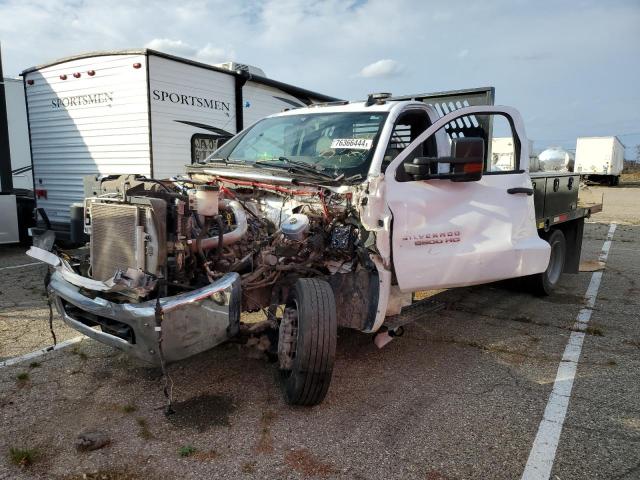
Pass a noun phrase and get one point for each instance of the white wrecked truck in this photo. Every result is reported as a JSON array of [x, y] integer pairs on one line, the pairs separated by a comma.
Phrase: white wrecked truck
[[322, 217]]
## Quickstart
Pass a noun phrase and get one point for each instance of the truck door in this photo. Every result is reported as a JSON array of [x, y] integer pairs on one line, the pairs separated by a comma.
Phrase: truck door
[[459, 215]]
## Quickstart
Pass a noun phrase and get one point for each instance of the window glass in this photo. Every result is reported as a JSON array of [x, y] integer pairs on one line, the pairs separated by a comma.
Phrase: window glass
[[400, 139], [407, 128], [333, 143], [502, 152]]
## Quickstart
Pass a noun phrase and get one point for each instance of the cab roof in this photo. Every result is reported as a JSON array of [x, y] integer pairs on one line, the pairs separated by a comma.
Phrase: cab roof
[[351, 107], [443, 102]]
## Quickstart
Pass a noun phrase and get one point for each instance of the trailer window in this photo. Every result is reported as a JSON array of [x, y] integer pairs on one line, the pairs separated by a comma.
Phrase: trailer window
[[203, 145]]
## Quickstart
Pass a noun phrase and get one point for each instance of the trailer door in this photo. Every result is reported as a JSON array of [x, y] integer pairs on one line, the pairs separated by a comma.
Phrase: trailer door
[[448, 233]]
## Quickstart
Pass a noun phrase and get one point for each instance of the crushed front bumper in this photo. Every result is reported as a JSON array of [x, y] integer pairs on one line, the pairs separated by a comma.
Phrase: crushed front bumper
[[191, 323]]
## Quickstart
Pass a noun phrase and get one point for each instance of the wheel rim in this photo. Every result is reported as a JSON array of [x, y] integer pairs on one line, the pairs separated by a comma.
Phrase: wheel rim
[[555, 263], [288, 338]]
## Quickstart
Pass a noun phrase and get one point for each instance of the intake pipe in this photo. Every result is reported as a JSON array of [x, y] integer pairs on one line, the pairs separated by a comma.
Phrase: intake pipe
[[229, 237]]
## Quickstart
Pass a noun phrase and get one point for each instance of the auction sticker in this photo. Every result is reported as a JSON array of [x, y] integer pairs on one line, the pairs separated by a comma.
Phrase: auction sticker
[[354, 143]]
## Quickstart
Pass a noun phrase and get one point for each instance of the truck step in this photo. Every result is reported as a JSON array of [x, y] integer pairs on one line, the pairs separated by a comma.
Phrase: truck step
[[415, 311]]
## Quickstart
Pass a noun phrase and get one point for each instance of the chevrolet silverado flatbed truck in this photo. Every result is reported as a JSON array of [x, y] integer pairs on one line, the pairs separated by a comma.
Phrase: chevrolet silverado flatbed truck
[[321, 217]]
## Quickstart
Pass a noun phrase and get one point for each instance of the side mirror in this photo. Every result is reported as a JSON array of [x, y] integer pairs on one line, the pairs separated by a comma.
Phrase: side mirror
[[465, 163]]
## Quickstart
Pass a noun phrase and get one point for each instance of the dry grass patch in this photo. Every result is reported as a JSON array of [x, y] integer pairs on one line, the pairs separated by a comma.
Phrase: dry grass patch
[[22, 457], [144, 431], [302, 461], [265, 443]]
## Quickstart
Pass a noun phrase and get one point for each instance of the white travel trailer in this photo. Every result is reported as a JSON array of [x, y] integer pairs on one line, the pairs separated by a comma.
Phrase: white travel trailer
[[137, 112], [600, 158], [16, 196]]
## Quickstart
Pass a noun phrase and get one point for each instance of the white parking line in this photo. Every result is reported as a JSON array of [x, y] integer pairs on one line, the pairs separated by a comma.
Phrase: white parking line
[[39, 353], [544, 448], [20, 266]]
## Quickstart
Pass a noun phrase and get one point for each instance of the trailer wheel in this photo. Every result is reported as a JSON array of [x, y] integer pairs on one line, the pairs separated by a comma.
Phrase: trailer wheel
[[307, 342], [544, 283]]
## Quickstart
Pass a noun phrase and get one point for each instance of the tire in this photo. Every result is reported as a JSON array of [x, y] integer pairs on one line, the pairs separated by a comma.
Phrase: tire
[[307, 342], [544, 283]]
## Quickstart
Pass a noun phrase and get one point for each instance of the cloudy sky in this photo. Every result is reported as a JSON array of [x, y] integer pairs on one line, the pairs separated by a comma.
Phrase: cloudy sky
[[571, 67]]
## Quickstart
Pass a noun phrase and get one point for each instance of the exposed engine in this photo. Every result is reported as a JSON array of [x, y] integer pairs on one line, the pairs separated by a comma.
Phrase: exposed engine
[[165, 237]]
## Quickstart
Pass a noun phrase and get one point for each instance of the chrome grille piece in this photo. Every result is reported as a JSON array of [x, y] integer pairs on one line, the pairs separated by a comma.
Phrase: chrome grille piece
[[113, 238]]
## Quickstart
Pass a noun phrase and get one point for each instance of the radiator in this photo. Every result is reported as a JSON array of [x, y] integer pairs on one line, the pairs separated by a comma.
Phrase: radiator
[[116, 235]]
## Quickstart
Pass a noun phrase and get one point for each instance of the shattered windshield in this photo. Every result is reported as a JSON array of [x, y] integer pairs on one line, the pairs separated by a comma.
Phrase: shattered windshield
[[337, 145]]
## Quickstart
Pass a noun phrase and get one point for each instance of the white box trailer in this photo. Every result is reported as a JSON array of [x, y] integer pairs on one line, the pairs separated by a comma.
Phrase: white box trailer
[[600, 158], [503, 152], [137, 112]]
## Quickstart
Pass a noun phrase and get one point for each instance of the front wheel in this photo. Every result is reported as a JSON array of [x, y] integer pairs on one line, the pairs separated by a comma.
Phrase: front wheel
[[544, 283], [307, 342]]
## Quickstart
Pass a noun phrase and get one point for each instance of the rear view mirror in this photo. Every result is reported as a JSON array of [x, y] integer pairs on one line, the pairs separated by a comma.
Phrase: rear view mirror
[[465, 163], [469, 159]]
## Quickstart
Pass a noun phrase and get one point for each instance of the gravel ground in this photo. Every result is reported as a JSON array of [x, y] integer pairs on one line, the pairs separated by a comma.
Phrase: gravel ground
[[23, 305], [620, 204], [460, 395]]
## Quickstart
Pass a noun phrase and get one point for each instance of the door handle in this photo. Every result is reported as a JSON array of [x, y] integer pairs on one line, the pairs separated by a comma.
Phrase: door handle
[[528, 191]]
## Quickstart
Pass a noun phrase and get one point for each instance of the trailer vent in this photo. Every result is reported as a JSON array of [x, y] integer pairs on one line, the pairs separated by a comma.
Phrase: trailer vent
[[242, 67]]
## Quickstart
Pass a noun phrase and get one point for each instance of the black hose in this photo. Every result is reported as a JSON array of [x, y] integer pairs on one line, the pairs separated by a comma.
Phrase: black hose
[[153, 180], [197, 220], [220, 237], [47, 280], [203, 232]]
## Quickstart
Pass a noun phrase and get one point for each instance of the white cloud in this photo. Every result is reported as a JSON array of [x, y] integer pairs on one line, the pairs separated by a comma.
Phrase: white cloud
[[382, 68], [212, 54], [167, 45], [209, 53], [463, 53]]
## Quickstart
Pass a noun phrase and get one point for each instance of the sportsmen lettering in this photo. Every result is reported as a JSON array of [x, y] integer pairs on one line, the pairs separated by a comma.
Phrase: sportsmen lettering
[[81, 100], [182, 99]]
